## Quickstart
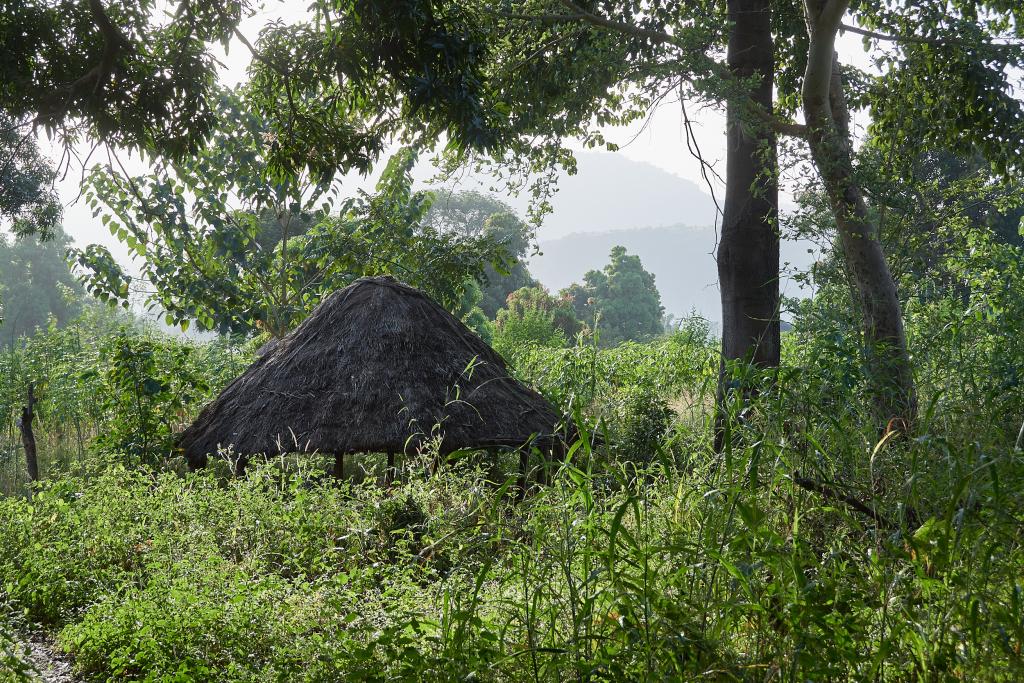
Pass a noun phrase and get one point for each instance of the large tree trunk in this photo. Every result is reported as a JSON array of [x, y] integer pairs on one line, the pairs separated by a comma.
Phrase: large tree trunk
[[748, 251], [889, 369]]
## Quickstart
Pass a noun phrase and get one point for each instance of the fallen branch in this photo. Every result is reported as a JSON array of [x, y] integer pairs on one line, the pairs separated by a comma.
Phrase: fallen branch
[[827, 491]]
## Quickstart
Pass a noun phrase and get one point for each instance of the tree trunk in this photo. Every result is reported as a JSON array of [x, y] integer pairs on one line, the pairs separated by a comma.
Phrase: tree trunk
[[28, 438], [889, 371], [748, 250]]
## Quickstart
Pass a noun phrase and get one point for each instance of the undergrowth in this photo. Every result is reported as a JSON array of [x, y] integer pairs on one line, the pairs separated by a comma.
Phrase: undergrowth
[[811, 548], [723, 568]]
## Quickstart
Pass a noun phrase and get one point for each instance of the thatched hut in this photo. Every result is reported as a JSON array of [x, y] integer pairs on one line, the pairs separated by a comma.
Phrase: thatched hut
[[378, 367]]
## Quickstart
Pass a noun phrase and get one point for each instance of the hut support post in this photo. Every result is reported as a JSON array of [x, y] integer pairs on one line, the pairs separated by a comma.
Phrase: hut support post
[[339, 466], [389, 473], [524, 464]]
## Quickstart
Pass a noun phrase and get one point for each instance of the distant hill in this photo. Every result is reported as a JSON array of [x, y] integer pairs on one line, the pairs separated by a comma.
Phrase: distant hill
[[679, 257], [612, 192]]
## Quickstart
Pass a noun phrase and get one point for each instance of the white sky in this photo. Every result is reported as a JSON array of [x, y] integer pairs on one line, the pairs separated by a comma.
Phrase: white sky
[[659, 141]]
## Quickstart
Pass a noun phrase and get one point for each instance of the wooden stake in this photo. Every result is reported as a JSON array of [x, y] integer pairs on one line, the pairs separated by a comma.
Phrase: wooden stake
[[28, 439], [339, 465]]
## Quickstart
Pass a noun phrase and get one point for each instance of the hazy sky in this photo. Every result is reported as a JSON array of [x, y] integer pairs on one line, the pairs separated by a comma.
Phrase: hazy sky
[[659, 141]]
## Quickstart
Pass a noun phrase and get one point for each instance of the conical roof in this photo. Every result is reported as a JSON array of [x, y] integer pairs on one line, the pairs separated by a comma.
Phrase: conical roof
[[377, 367]]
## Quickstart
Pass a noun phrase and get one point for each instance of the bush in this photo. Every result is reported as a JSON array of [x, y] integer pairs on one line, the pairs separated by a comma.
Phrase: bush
[[732, 562]]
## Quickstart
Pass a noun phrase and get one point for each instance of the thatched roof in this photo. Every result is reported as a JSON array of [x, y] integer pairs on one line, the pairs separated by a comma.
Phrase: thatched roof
[[376, 363]]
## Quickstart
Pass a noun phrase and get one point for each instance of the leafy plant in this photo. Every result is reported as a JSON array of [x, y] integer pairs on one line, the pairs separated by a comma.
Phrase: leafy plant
[[228, 244]]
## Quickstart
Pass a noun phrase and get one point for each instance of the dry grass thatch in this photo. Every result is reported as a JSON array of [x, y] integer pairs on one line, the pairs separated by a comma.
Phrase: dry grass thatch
[[375, 369]]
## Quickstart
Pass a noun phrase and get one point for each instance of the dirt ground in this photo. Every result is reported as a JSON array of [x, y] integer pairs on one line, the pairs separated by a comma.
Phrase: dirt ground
[[51, 665]]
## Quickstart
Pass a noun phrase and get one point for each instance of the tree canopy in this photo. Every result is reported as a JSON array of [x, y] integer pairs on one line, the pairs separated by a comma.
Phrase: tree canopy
[[620, 301], [137, 75], [36, 285]]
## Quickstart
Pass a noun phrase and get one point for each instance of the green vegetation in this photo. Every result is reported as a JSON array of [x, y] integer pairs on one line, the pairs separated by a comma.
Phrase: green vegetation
[[532, 317], [844, 501], [104, 386], [35, 284], [620, 300], [645, 557], [617, 304]]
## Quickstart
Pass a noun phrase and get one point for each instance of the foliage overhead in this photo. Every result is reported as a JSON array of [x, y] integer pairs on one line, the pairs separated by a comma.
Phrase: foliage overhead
[[224, 244], [136, 75], [336, 88]]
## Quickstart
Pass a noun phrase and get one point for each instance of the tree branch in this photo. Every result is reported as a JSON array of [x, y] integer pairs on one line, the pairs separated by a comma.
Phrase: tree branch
[[920, 40], [822, 25], [257, 55], [619, 27], [776, 124], [828, 492], [114, 44]]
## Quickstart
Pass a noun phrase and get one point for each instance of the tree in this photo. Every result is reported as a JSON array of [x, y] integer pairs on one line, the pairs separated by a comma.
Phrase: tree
[[478, 215], [944, 224], [117, 72], [225, 242], [748, 248], [930, 205], [532, 317], [560, 308], [36, 285], [620, 301], [27, 197], [466, 212], [950, 59]]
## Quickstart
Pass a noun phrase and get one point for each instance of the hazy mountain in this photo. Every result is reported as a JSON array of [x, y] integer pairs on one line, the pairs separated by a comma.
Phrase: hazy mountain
[[611, 192], [606, 203], [679, 257]]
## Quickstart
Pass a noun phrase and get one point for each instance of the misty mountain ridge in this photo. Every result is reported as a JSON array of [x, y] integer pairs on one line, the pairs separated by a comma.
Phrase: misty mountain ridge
[[611, 192], [679, 256]]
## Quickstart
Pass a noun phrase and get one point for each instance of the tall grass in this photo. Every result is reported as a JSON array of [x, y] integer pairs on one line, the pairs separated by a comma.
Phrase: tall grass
[[646, 557], [103, 376]]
